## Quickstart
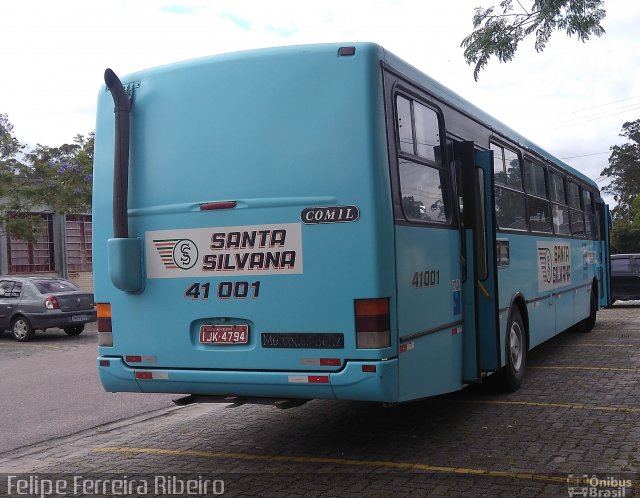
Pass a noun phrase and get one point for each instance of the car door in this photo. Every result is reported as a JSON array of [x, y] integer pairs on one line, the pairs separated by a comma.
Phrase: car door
[[633, 290], [8, 300]]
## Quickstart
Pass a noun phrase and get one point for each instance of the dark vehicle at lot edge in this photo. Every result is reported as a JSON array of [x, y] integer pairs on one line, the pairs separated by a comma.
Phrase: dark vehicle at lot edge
[[625, 277], [28, 304]]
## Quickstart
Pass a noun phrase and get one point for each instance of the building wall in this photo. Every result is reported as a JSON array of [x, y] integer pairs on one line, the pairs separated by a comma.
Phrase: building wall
[[83, 279]]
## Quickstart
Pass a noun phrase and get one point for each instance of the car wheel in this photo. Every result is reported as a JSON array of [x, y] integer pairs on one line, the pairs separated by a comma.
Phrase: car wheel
[[22, 329], [516, 346], [588, 323], [75, 330]]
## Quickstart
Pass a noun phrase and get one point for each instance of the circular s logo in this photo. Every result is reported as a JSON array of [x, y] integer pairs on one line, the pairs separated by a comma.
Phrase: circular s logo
[[547, 266], [185, 254]]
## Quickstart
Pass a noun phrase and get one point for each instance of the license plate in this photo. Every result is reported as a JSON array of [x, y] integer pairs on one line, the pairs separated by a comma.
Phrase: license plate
[[224, 334], [79, 318]]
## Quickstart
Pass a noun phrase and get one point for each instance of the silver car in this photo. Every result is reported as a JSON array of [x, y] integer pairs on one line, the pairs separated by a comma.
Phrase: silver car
[[31, 303]]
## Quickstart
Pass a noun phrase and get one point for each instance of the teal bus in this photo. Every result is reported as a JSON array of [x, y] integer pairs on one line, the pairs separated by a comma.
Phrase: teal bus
[[326, 221]]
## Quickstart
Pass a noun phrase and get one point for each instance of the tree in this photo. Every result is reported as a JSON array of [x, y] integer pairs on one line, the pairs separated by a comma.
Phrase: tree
[[46, 179], [624, 174], [62, 177], [500, 33], [13, 217]]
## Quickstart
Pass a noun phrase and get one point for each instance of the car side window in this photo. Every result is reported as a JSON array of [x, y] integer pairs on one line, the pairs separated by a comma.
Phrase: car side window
[[6, 288], [17, 289]]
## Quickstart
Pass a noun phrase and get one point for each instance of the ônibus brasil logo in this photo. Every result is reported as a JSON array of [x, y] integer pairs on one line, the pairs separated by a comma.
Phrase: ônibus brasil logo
[[177, 253]]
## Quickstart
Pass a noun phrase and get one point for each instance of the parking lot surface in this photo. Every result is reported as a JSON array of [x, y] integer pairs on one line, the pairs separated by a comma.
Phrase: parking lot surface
[[573, 429]]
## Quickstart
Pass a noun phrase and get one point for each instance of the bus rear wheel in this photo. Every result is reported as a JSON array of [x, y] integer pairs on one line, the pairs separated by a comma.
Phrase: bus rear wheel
[[516, 348], [588, 323]]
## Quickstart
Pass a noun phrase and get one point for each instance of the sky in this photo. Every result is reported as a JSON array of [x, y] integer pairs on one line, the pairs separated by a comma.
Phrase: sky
[[570, 99]]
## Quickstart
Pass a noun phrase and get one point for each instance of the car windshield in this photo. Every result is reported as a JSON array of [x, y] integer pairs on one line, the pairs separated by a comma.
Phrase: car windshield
[[45, 286], [620, 264]]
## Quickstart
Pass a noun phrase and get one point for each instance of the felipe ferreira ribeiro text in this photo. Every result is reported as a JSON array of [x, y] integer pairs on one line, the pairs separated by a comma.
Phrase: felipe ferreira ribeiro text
[[168, 485]]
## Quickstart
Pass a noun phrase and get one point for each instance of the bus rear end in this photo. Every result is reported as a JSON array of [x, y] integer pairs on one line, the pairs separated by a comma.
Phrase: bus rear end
[[258, 259]]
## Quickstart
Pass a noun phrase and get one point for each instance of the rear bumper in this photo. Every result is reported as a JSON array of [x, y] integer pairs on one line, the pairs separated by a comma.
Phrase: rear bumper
[[349, 383], [61, 319]]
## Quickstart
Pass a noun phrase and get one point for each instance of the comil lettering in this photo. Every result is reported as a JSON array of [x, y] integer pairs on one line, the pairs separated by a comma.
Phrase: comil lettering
[[333, 214]]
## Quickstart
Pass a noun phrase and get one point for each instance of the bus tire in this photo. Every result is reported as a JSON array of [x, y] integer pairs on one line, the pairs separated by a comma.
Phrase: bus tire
[[516, 348], [588, 323]]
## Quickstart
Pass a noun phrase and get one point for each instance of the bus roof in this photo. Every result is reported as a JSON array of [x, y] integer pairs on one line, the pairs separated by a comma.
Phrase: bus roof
[[452, 98], [435, 88]]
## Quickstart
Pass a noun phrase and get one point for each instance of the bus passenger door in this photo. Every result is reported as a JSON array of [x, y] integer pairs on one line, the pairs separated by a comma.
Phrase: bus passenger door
[[604, 254], [481, 331]]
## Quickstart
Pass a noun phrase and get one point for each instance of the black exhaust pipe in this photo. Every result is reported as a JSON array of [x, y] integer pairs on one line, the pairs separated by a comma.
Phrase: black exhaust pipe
[[121, 157]]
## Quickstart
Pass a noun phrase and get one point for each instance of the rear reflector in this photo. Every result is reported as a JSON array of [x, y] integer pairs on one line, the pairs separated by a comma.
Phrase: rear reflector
[[407, 346], [309, 379], [151, 375], [104, 317], [369, 368], [105, 363], [373, 324], [321, 362], [140, 359], [318, 379], [330, 362]]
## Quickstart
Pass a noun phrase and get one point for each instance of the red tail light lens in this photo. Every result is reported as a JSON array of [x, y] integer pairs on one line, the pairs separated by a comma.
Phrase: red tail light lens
[[373, 323], [104, 317], [51, 303], [105, 337]]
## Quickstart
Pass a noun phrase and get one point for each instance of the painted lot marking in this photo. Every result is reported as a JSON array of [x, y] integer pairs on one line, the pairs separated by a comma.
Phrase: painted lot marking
[[540, 404], [606, 345], [577, 367], [36, 345], [338, 461]]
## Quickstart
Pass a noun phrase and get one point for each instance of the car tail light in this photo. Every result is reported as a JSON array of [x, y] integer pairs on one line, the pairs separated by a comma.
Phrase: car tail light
[[105, 337], [51, 303], [373, 329]]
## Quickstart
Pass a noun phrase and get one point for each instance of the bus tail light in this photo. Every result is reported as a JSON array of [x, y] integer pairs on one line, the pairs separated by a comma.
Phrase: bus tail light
[[105, 336], [373, 324]]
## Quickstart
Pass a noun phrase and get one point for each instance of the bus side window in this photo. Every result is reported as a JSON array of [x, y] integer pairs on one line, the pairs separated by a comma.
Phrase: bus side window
[[421, 190], [576, 216], [509, 197], [405, 125], [424, 183], [559, 210], [537, 204], [589, 214]]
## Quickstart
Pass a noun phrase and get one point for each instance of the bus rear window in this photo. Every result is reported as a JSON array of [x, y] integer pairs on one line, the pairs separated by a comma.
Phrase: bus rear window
[[54, 285]]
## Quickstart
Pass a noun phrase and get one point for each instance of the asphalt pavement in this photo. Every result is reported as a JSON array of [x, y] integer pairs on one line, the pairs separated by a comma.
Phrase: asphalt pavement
[[50, 388]]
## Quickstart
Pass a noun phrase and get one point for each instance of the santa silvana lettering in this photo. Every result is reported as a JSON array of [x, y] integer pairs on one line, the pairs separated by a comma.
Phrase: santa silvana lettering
[[245, 251]]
